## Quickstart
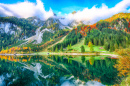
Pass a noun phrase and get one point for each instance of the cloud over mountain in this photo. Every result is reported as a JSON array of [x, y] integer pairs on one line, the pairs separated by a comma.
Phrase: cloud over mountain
[[95, 14], [25, 9], [28, 9]]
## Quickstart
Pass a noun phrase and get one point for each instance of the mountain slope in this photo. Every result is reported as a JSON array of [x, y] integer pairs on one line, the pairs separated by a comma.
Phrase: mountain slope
[[119, 15], [13, 29], [36, 21], [13, 23], [52, 29]]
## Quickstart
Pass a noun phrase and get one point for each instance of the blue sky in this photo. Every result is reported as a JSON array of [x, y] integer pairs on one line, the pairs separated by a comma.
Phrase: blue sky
[[88, 11], [68, 6]]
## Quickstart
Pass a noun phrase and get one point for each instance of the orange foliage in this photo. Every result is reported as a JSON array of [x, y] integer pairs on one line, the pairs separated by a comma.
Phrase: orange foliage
[[125, 29], [86, 28], [119, 15], [13, 50], [10, 58], [25, 48], [123, 65]]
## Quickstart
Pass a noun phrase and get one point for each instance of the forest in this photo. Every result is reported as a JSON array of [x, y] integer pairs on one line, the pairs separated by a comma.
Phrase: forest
[[99, 35]]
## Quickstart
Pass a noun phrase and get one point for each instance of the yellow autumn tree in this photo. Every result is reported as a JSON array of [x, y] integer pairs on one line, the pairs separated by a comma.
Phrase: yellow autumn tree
[[123, 65], [89, 44]]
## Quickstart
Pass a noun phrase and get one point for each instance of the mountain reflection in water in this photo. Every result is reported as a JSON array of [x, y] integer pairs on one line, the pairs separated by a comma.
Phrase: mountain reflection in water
[[57, 71]]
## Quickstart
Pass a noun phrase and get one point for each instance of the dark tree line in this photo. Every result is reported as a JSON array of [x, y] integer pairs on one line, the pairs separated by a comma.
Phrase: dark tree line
[[109, 38], [6, 40]]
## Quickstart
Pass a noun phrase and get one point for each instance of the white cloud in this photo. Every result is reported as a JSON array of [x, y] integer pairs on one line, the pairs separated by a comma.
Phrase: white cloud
[[59, 13], [128, 11], [26, 9], [95, 14]]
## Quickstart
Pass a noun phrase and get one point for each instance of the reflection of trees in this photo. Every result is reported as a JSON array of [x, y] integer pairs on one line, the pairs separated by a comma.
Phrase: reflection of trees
[[83, 59], [91, 60], [16, 72], [59, 65], [102, 69]]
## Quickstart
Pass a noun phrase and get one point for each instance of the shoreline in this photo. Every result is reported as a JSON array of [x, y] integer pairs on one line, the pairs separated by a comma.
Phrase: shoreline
[[51, 53]]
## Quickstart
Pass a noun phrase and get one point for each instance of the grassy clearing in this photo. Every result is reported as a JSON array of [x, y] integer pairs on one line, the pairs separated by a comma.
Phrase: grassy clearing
[[77, 48]]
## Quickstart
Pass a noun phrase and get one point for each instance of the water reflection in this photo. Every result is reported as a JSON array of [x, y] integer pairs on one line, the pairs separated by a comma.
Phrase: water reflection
[[56, 70]]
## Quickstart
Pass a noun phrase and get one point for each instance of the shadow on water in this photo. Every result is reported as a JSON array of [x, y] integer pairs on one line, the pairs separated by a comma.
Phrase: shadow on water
[[56, 70]]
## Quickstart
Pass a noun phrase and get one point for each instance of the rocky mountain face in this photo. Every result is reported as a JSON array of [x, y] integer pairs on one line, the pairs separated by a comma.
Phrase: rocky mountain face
[[75, 23], [51, 23], [54, 23], [120, 24], [32, 28], [9, 28], [36, 21]]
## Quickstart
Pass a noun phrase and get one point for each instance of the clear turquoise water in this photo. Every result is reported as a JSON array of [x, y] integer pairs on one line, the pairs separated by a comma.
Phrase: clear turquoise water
[[56, 71]]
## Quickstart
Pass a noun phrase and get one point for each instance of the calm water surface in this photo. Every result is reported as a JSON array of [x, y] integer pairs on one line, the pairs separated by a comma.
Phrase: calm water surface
[[57, 71]]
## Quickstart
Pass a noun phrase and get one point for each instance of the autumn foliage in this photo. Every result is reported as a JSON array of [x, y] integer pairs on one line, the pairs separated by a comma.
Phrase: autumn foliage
[[108, 23], [89, 44], [123, 65], [85, 28], [15, 49]]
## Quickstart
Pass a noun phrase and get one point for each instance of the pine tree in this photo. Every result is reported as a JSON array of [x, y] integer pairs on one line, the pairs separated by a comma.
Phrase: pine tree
[[116, 45], [56, 50], [6, 48], [52, 49], [68, 47], [95, 41], [61, 48], [100, 43], [82, 49], [111, 47], [106, 46], [83, 59], [85, 42]]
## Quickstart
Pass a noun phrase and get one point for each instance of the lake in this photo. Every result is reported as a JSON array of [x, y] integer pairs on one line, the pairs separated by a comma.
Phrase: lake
[[57, 71]]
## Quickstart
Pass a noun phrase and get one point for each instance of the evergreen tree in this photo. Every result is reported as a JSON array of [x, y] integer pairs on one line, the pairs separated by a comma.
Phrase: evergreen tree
[[111, 47], [68, 47], [56, 50], [116, 45], [95, 41], [85, 42], [61, 48], [83, 59], [6, 48], [82, 49], [100, 43], [106, 46]]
